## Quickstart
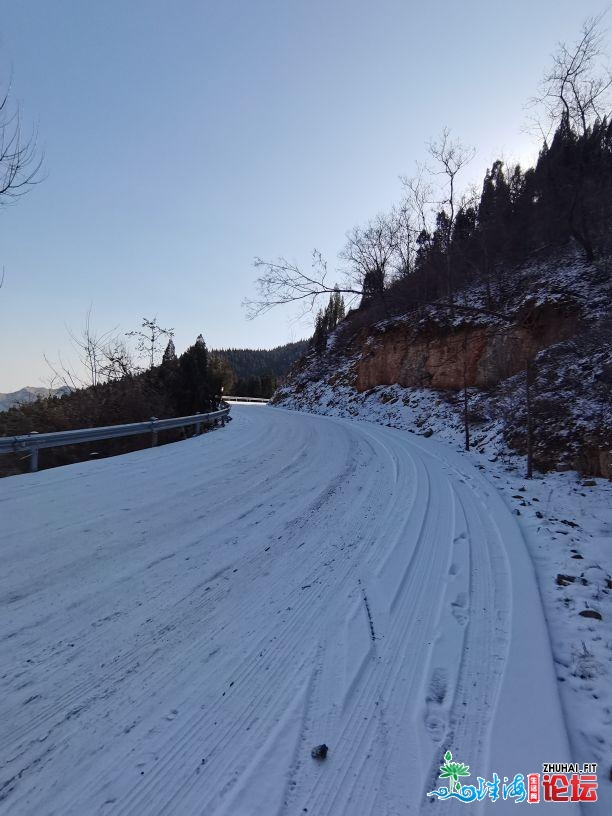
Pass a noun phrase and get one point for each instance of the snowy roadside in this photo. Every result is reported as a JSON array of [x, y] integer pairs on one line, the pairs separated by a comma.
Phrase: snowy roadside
[[567, 523]]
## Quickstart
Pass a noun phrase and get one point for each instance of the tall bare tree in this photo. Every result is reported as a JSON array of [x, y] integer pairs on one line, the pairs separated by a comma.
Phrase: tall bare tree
[[418, 199], [576, 96], [579, 83], [407, 233], [20, 160], [97, 357], [451, 157], [371, 253]]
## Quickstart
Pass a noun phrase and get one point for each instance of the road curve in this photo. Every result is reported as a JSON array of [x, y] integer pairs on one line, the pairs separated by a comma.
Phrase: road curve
[[180, 626]]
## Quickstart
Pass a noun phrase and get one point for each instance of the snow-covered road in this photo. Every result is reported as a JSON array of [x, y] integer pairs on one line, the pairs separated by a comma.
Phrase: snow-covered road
[[180, 626]]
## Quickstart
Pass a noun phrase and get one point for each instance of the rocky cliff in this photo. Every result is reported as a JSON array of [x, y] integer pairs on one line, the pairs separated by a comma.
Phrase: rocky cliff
[[443, 356]]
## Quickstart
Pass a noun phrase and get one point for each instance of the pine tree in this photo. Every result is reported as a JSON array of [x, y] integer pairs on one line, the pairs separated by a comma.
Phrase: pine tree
[[327, 320], [196, 392], [319, 337], [169, 355], [493, 214]]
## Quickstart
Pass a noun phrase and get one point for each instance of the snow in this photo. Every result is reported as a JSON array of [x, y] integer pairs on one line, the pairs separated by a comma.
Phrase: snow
[[566, 522], [182, 626], [557, 278]]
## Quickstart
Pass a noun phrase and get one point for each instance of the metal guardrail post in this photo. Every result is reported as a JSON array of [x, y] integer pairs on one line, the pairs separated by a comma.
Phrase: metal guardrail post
[[33, 455], [153, 420], [198, 427]]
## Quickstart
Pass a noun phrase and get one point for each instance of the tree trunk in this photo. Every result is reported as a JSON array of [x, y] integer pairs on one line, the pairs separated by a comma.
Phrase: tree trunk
[[466, 423], [449, 283], [528, 402]]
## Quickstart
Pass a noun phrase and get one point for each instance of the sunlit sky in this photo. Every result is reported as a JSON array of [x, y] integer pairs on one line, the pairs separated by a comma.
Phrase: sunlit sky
[[184, 137]]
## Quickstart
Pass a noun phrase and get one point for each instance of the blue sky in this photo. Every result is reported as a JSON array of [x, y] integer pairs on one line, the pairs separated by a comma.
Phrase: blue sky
[[183, 138]]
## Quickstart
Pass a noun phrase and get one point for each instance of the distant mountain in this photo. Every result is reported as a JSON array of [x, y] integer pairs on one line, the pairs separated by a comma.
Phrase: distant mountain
[[30, 393]]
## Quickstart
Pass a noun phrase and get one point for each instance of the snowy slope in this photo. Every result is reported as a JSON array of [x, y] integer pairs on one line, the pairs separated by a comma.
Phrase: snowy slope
[[181, 626]]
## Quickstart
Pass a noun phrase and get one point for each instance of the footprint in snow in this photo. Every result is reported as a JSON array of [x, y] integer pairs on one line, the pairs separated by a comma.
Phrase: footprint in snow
[[458, 608]]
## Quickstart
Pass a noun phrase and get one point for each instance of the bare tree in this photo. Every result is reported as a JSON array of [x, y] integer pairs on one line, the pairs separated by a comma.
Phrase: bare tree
[[372, 254], [20, 161], [118, 361], [419, 198], [529, 415], [92, 350], [575, 95], [89, 344], [414, 215], [385, 247], [148, 339], [451, 157], [281, 282], [97, 358], [516, 331], [579, 83], [406, 239]]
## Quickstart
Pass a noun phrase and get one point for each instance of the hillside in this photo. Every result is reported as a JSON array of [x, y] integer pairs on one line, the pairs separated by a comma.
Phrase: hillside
[[421, 369], [255, 362]]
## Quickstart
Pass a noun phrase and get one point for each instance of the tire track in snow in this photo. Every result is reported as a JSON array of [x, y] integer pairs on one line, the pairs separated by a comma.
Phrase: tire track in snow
[[282, 635], [212, 652]]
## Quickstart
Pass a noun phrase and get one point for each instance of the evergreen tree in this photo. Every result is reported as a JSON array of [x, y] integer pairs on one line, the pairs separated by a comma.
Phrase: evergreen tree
[[169, 355], [326, 321], [319, 338], [494, 211], [195, 391]]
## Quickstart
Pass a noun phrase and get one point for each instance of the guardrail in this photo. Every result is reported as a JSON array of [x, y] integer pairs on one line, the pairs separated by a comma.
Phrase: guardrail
[[245, 399], [33, 442]]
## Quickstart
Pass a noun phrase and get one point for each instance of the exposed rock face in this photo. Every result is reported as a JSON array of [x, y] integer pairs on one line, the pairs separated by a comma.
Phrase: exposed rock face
[[441, 357]]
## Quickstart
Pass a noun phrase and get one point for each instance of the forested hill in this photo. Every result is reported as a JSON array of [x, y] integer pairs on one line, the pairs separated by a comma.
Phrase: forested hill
[[484, 318], [256, 372], [253, 362]]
